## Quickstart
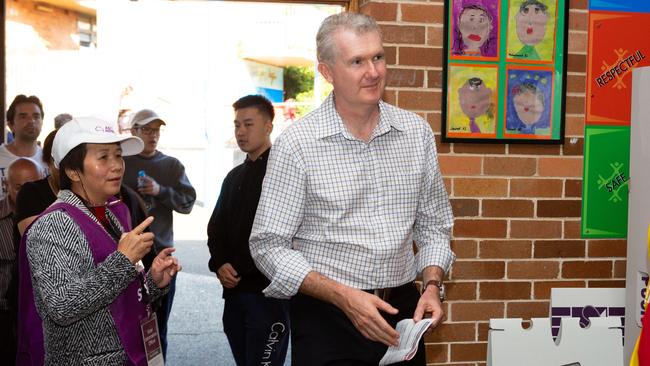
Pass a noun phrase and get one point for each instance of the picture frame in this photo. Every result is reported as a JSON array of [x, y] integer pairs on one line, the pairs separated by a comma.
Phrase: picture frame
[[504, 71]]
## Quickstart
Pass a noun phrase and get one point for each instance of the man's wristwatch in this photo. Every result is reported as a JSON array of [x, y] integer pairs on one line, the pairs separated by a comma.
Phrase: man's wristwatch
[[439, 285]]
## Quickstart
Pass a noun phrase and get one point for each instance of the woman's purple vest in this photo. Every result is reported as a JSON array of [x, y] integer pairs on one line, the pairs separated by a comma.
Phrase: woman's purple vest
[[126, 310]]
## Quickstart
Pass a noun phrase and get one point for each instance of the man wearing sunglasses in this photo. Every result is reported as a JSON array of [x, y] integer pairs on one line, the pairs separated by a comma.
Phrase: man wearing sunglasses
[[161, 181]]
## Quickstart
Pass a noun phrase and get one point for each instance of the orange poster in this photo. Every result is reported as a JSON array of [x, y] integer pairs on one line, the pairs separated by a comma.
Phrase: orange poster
[[618, 42]]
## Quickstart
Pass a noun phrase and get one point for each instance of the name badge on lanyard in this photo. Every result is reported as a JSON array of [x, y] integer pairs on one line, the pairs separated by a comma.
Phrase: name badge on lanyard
[[149, 326], [151, 340]]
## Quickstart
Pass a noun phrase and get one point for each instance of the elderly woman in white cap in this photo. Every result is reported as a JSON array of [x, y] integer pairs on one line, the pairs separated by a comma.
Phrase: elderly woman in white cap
[[85, 260]]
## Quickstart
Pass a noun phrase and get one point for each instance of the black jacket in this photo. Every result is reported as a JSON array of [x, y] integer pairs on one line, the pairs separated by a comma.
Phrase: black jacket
[[232, 220]]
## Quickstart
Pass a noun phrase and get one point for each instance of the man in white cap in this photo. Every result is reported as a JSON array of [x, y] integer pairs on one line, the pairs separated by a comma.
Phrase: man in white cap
[[164, 187]]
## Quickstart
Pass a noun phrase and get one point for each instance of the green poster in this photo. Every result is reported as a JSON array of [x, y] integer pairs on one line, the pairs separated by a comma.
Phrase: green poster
[[606, 181]]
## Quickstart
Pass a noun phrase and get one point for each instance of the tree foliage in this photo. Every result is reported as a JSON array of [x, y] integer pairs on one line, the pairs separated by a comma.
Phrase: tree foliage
[[297, 80]]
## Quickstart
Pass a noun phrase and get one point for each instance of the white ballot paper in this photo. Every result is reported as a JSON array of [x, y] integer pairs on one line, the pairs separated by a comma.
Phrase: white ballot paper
[[409, 336]]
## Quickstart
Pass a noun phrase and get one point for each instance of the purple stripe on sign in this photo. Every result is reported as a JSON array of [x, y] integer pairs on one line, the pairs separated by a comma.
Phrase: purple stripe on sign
[[616, 311], [556, 321], [560, 311], [555, 331]]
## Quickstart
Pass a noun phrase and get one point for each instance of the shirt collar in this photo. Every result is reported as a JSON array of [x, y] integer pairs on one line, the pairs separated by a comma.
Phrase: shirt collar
[[333, 124], [264, 156]]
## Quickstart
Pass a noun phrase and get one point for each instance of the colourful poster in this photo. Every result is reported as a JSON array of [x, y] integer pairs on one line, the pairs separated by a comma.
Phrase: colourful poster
[[472, 102], [474, 29], [618, 42], [531, 31], [606, 182], [504, 73], [529, 102]]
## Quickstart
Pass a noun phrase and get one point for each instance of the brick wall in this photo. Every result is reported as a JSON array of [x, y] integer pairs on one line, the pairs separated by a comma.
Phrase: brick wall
[[56, 29], [517, 207]]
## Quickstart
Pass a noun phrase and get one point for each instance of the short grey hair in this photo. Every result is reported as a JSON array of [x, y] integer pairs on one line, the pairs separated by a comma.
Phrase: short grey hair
[[62, 119], [359, 23]]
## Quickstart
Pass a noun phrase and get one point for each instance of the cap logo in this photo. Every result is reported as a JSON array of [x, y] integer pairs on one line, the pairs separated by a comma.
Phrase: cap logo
[[104, 129]]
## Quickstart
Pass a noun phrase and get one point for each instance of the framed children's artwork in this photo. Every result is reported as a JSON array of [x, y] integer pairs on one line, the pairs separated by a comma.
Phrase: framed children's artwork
[[504, 73]]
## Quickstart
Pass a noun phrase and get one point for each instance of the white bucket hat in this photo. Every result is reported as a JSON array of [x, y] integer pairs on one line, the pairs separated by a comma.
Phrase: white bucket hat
[[91, 130]]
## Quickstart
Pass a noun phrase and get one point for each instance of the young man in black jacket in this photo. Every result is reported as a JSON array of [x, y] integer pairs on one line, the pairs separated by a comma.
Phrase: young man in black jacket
[[257, 327]]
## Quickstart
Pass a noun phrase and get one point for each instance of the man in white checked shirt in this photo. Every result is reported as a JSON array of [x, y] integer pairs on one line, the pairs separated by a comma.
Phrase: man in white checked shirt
[[348, 189]]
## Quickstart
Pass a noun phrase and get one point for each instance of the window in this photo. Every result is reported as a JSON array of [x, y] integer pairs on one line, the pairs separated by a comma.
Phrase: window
[[87, 30]]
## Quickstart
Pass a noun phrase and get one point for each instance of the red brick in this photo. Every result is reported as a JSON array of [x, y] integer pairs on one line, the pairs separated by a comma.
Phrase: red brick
[[607, 248], [434, 36], [380, 11], [533, 269], [390, 96], [579, 4], [587, 269], [436, 353], [472, 311], [403, 34], [509, 166], [460, 165], [449, 183], [533, 229], [576, 62], [464, 248], [468, 351], [534, 149], [576, 83], [465, 228], [452, 332], [573, 188], [571, 230], [472, 270], [408, 78], [575, 105], [483, 331], [577, 42], [507, 208], [419, 100], [442, 147], [420, 56], [574, 126], [480, 187], [434, 121], [542, 289], [573, 146], [420, 13], [461, 291], [464, 207], [560, 167], [56, 37], [482, 149], [528, 309], [559, 208], [606, 283], [391, 55], [535, 188], [434, 79], [505, 249], [619, 269], [559, 248], [505, 290]]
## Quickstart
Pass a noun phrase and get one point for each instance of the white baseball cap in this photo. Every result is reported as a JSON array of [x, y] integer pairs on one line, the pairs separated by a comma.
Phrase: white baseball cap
[[145, 117], [91, 130]]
